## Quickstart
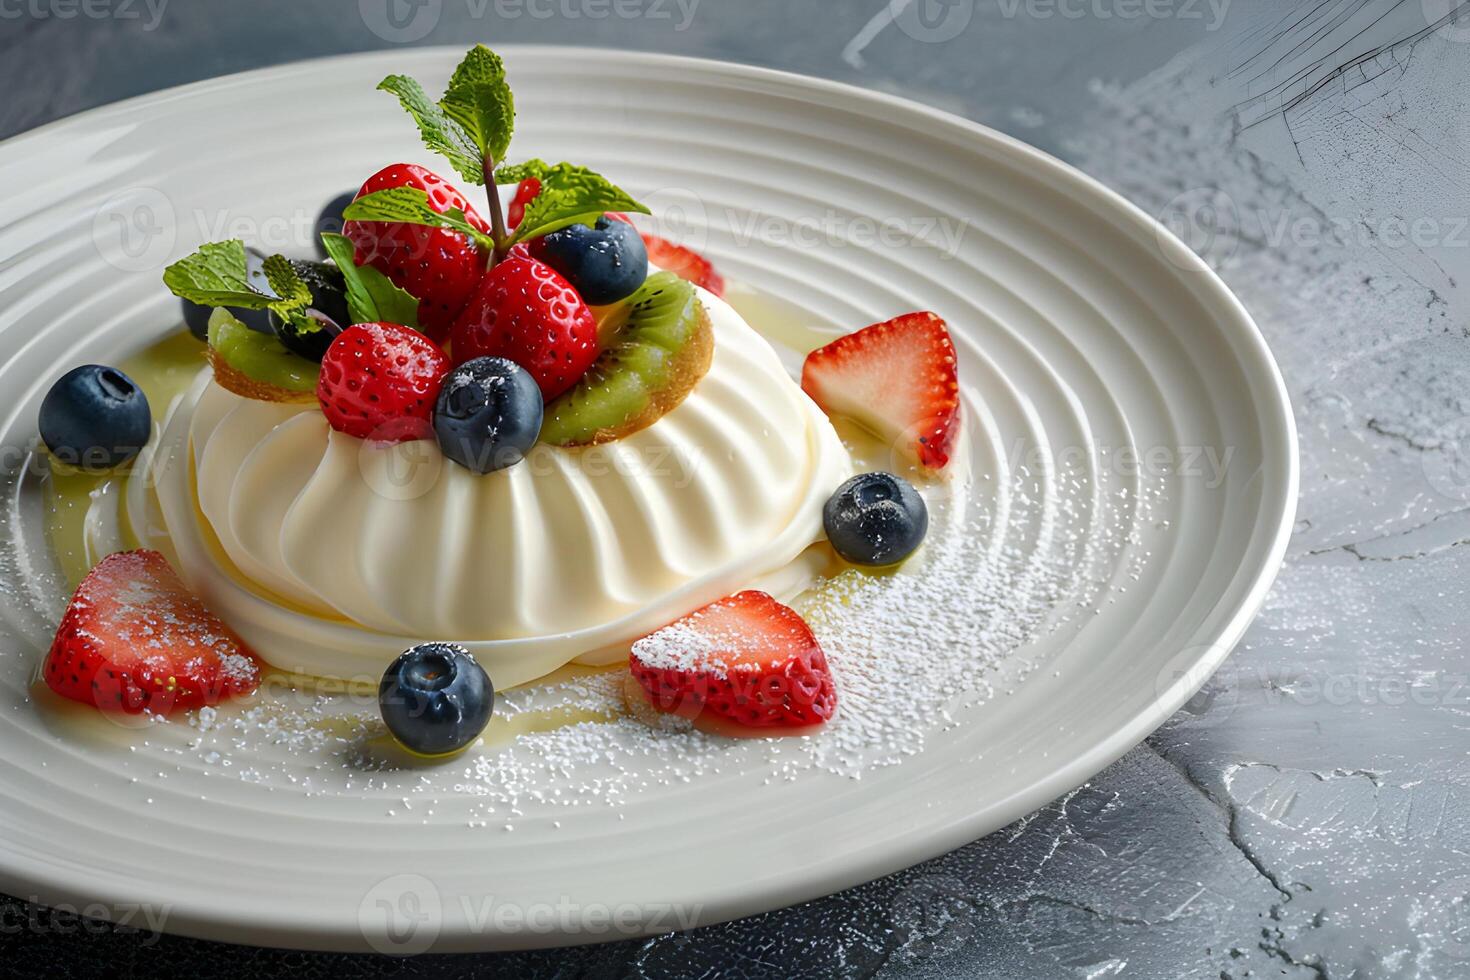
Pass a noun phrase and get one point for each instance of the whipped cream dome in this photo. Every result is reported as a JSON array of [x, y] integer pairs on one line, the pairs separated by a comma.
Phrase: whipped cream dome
[[331, 555]]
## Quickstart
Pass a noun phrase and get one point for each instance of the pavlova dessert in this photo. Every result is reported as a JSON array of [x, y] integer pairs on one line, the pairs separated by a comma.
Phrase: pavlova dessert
[[460, 451]]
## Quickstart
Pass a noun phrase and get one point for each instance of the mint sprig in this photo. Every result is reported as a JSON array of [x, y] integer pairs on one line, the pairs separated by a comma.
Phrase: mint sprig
[[569, 195], [371, 296], [218, 275], [471, 126], [410, 205]]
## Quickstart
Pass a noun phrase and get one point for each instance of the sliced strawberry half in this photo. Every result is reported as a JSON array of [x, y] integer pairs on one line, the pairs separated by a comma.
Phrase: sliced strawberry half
[[897, 378], [135, 639], [439, 267], [746, 658], [681, 261]]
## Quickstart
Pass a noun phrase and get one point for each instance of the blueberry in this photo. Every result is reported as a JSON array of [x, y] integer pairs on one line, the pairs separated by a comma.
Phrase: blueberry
[[605, 263], [489, 414], [435, 698], [197, 317], [330, 220], [95, 417], [875, 519], [329, 296]]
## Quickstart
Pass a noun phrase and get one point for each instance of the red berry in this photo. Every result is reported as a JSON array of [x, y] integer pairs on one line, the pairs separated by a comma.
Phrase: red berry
[[439, 267], [134, 639], [379, 381], [525, 191], [526, 312], [897, 378], [746, 658]]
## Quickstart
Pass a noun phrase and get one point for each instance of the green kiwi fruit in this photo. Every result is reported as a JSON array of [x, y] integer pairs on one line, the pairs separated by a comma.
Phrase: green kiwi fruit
[[651, 359]]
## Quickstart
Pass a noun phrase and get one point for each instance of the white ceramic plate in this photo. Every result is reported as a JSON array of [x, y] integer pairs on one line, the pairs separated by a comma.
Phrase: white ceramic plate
[[1086, 332]]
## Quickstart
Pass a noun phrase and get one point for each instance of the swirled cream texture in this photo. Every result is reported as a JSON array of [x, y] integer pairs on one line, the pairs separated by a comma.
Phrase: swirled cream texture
[[331, 555]]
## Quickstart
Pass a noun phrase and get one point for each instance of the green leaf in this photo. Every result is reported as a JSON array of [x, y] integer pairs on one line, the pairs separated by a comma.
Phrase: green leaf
[[479, 99], [514, 173], [410, 205], [371, 296], [216, 276], [439, 131], [473, 120], [569, 195]]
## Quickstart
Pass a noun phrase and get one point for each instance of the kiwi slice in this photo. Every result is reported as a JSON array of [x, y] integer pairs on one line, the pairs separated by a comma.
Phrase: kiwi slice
[[255, 365], [653, 353]]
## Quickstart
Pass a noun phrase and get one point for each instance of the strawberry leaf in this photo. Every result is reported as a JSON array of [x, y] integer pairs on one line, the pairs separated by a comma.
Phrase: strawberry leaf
[[569, 195], [371, 296], [410, 205]]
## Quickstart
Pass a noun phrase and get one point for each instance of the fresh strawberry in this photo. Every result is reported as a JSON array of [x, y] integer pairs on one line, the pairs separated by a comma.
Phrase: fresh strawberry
[[746, 658], [682, 262], [134, 639], [525, 191], [526, 312], [440, 267], [897, 378], [379, 381]]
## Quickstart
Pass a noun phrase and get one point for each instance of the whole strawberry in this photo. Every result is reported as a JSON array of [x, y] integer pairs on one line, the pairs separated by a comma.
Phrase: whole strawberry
[[438, 266], [379, 381], [135, 639], [526, 312]]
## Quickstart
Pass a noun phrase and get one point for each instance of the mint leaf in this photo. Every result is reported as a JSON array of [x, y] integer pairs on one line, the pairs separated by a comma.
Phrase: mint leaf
[[215, 276], [371, 296], [409, 205], [569, 195], [440, 132], [514, 173], [474, 119], [479, 99]]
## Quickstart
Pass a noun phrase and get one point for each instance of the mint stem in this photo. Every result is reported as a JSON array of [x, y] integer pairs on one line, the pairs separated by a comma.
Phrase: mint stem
[[497, 215]]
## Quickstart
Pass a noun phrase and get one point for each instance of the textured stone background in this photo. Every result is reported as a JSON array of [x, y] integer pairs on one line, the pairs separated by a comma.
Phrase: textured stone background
[[1306, 816]]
